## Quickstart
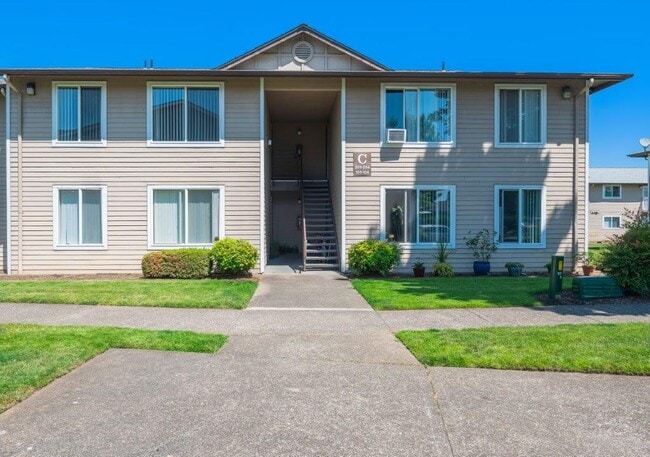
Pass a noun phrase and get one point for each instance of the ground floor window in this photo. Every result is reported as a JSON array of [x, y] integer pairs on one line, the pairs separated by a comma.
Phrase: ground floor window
[[80, 217], [520, 216], [419, 215], [184, 216], [611, 222]]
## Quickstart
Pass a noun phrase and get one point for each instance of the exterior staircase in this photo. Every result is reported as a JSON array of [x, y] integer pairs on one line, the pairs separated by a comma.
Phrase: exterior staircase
[[321, 246]]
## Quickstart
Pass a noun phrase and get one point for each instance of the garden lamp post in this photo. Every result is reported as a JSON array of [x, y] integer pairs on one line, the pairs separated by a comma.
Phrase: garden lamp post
[[645, 143]]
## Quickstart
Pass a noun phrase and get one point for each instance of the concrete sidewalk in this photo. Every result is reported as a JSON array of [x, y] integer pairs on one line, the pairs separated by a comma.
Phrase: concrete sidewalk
[[310, 369]]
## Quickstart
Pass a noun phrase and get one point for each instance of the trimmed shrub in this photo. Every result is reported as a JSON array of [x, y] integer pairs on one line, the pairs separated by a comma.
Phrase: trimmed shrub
[[373, 257], [177, 263], [627, 258], [233, 257], [444, 270]]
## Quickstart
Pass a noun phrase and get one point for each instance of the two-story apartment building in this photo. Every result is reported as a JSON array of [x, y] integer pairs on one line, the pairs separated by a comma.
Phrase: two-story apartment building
[[612, 193], [301, 141]]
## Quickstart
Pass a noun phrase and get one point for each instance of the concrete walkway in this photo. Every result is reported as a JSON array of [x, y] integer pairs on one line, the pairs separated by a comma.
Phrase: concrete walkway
[[310, 369]]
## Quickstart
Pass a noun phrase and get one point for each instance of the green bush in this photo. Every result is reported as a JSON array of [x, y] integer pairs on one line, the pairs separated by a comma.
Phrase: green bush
[[627, 258], [443, 270], [233, 257], [176, 263], [373, 257]]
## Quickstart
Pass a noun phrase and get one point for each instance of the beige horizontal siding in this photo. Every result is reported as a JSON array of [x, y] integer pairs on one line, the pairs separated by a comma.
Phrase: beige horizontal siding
[[474, 166], [3, 187], [127, 166]]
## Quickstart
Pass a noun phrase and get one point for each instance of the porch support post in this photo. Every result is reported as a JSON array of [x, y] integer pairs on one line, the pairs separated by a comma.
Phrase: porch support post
[[343, 199], [262, 180]]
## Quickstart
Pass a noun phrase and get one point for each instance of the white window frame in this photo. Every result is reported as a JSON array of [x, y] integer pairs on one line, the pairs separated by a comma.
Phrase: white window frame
[[644, 192], [497, 221], [150, 215], [55, 114], [185, 85], [452, 216], [612, 217], [611, 186], [55, 212], [418, 144], [497, 115]]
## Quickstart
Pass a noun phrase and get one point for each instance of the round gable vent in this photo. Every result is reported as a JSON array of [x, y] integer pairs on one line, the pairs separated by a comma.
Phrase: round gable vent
[[303, 51]]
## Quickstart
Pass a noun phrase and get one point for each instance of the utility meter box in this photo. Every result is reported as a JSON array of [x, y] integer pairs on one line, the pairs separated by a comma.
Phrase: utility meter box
[[557, 274]]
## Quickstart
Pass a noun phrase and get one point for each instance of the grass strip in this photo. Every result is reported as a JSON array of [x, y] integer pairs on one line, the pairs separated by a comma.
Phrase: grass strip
[[32, 356], [583, 348], [170, 293], [456, 292]]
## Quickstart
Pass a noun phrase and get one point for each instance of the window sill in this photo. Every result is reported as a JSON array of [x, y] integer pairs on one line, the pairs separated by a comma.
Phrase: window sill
[[81, 247], [519, 145], [416, 145], [522, 246], [158, 247], [423, 246], [79, 144], [611, 198], [184, 144]]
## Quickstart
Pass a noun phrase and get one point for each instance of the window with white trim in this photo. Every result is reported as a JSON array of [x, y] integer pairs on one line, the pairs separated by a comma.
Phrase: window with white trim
[[419, 215], [644, 192], [426, 112], [611, 191], [80, 217], [611, 222], [520, 115], [185, 216], [79, 113], [520, 216], [185, 113]]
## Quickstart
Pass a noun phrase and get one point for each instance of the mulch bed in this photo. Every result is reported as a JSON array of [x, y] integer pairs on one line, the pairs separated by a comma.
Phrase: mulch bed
[[567, 298]]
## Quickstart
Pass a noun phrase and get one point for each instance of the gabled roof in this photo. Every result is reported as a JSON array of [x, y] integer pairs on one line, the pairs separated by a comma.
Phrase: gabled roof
[[618, 176], [303, 28]]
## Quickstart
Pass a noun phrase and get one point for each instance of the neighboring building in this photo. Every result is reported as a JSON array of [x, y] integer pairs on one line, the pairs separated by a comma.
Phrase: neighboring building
[[107, 164], [612, 193]]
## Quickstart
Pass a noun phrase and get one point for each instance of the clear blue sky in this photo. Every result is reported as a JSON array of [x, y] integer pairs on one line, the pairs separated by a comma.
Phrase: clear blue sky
[[497, 35]]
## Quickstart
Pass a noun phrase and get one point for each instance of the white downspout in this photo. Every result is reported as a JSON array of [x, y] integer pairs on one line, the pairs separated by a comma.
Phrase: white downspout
[[8, 171], [576, 147], [589, 83], [343, 221], [262, 180]]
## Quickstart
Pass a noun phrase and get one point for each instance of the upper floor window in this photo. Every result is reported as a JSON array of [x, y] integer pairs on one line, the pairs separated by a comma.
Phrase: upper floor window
[[611, 222], [185, 113], [419, 214], [520, 115], [520, 216], [79, 113], [425, 112], [644, 192], [612, 191]]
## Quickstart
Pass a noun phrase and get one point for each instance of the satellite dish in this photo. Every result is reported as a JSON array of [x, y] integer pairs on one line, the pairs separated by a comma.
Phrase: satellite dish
[[644, 142]]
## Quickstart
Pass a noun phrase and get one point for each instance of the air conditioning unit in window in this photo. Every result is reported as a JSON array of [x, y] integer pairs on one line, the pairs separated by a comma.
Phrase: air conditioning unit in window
[[395, 135]]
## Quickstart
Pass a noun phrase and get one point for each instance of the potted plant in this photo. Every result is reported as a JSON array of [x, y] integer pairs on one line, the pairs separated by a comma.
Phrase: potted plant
[[587, 260], [442, 268], [548, 267], [483, 246], [514, 268], [418, 269]]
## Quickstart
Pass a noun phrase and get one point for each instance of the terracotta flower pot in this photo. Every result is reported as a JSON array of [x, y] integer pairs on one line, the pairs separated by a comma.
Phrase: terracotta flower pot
[[418, 272], [587, 270]]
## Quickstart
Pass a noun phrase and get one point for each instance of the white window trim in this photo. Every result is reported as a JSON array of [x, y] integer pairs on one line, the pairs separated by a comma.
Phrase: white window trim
[[222, 211], [644, 192], [414, 246], [497, 222], [192, 144], [417, 144], [620, 226], [620, 196], [55, 115], [55, 211], [497, 116]]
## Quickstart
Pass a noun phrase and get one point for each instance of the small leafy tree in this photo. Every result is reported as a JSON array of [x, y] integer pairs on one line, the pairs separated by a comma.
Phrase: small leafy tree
[[627, 257], [482, 244]]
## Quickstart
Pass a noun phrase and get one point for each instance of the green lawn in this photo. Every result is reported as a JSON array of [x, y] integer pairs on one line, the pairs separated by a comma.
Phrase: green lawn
[[456, 292], [586, 348], [596, 251], [32, 356], [172, 293]]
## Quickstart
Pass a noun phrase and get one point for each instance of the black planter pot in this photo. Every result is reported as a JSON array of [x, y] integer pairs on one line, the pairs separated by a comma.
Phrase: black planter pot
[[418, 272], [514, 271], [481, 268]]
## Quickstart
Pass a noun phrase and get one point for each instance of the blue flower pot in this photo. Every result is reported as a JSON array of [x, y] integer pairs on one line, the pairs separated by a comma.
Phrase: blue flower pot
[[481, 268]]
